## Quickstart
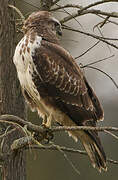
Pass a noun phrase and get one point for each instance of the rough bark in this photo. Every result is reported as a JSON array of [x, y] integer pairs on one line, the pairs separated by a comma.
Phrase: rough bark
[[11, 100]]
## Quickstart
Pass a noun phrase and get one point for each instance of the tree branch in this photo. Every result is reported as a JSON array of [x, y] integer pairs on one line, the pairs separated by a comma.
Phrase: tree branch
[[84, 10], [28, 143], [17, 120], [97, 61], [87, 50], [109, 21], [81, 7], [74, 128], [18, 12], [39, 129], [116, 85], [91, 11], [66, 6], [91, 35]]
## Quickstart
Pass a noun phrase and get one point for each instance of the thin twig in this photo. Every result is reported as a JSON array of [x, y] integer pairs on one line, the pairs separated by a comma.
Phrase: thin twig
[[116, 137], [98, 3], [66, 6], [116, 85], [7, 133], [80, 7], [66, 157], [31, 4], [109, 21], [104, 22], [91, 35], [28, 141], [84, 10], [103, 37], [71, 15], [87, 50], [50, 147], [28, 146], [18, 12], [91, 11], [96, 11], [95, 62], [99, 37]]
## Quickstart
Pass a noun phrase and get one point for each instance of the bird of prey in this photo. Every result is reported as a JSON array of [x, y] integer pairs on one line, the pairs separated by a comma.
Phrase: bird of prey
[[54, 85]]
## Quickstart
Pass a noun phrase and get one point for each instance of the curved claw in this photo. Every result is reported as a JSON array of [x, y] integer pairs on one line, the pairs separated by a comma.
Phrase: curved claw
[[47, 135]]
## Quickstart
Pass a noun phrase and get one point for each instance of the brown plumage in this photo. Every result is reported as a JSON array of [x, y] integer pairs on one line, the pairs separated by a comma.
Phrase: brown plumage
[[55, 86]]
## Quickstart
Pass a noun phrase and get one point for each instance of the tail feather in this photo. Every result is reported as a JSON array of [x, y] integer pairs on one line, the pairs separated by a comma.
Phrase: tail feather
[[93, 147], [97, 158]]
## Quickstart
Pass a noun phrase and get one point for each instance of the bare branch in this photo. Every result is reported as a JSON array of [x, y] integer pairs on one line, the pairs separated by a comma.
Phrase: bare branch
[[23, 142], [81, 7], [98, 3], [87, 50], [74, 128], [66, 6], [28, 143], [7, 133], [35, 128], [116, 137], [18, 12], [16, 120], [92, 35], [116, 85], [97, 61], [104, 22], [65, 149], [102, 35], [70, 15], [109, 21], [91, 11], [84, 10], [31, 4]]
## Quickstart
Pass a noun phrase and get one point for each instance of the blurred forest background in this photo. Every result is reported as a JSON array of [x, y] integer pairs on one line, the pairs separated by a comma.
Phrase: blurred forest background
[[46, 165]]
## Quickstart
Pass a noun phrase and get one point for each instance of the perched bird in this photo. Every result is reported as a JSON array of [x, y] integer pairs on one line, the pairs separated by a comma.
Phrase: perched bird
[[54, 85]]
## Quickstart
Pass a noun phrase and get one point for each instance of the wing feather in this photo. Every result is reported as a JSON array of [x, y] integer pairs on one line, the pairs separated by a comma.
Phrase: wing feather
[[63, 80]]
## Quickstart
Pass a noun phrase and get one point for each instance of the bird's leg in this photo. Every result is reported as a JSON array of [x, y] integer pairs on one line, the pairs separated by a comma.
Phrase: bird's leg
[[47, 121], [44, 120]]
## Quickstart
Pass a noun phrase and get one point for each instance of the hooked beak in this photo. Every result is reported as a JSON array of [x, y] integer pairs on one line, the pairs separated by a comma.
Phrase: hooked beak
[[59, 31]]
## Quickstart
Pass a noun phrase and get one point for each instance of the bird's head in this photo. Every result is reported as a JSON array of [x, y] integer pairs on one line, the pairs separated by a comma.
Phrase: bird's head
[[43, 21]]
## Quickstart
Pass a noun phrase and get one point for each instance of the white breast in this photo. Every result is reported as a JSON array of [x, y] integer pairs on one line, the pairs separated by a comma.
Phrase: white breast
[[24, 63]]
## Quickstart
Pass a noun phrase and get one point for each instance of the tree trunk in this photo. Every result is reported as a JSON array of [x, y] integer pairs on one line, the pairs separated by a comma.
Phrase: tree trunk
[[11, 100]]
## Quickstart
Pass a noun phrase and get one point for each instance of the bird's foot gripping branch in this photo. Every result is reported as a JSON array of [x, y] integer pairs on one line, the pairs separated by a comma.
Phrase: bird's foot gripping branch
[[33, 135]]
